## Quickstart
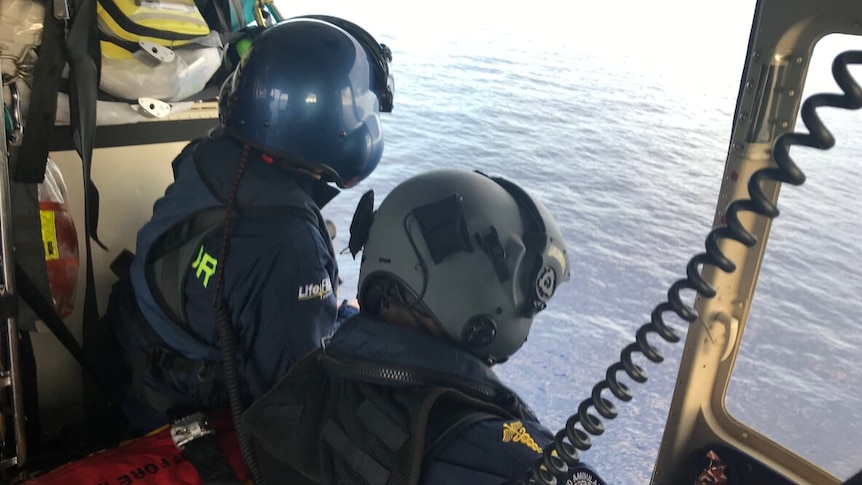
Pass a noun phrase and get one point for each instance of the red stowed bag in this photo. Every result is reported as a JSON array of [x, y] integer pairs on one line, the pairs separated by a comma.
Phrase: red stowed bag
[[149, 460], [60, 239]]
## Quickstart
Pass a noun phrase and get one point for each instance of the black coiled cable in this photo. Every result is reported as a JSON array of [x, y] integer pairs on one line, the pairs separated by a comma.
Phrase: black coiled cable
[[227, 339], [560, 453]]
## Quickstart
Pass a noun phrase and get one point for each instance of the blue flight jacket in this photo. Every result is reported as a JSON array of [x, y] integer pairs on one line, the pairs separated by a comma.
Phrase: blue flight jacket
[[279, 274]]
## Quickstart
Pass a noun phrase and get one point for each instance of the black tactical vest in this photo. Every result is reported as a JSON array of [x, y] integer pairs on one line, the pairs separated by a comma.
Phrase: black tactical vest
[[338, 420]]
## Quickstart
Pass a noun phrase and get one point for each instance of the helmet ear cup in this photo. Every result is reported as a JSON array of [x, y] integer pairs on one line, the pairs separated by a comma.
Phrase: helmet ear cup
[[551, 266], [546, 283], [479, 331]]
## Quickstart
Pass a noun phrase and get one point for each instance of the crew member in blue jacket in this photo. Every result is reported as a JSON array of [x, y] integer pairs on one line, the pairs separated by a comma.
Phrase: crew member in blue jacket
[[455, 266], [238, 236]]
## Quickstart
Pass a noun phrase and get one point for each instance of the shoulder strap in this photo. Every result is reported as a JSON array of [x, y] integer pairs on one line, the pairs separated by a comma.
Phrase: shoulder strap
[[83, 55], [452, 413], [171, 256], [442, 429], [210, 463], [169, 260]]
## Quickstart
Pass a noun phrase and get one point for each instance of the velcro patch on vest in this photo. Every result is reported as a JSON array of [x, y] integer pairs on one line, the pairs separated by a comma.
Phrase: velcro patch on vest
[[315, 290]]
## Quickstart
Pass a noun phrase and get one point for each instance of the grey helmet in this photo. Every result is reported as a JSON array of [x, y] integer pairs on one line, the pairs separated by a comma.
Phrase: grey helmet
[[480, 254]]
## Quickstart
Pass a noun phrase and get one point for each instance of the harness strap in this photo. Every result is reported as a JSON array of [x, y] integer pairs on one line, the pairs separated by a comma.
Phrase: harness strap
[[192, 435], [209, 462], [171, 255], [157, 359], [436, 444], [152, 398]]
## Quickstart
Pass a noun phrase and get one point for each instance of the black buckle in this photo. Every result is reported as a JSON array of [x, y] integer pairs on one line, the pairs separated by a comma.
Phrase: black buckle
[[161, 357]]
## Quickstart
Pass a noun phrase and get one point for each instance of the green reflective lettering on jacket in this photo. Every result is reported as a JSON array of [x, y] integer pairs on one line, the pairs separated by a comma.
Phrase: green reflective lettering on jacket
[[205, 265]]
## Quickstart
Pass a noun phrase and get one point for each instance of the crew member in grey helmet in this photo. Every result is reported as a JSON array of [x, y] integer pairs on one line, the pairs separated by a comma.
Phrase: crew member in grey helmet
[[455, 266]]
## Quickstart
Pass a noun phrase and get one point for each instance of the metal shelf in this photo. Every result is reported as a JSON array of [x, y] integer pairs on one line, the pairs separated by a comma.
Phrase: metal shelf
[[184, 126]]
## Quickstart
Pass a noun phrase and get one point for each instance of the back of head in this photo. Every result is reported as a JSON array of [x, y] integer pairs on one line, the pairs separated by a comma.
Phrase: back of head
[[479, 255], [309, 91]]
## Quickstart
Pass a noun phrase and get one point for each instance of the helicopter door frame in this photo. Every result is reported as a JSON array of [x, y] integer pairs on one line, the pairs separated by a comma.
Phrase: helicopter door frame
[[782, 41], [783, 37]]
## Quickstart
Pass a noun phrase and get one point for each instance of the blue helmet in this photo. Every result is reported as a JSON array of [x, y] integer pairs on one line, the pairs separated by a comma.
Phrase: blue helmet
[[309, 91]]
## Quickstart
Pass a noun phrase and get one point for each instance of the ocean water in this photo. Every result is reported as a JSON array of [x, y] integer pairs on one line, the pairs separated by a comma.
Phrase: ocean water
[[617, 115]]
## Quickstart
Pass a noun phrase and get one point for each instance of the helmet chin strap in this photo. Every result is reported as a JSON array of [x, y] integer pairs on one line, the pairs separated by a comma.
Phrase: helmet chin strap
[[407, 316], [316, 175]]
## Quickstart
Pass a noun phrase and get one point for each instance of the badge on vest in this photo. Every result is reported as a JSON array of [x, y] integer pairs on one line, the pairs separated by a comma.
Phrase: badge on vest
[[314, 290], [516, 433]]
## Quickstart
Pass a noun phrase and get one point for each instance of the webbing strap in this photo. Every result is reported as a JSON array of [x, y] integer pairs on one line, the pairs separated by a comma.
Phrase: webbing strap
[[441, 440], [209, 462], [82, 54], [81, 50], [157, 358], [42, 111]]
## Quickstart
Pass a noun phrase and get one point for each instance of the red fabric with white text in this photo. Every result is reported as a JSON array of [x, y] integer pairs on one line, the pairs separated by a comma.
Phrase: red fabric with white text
[[149, 460]]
